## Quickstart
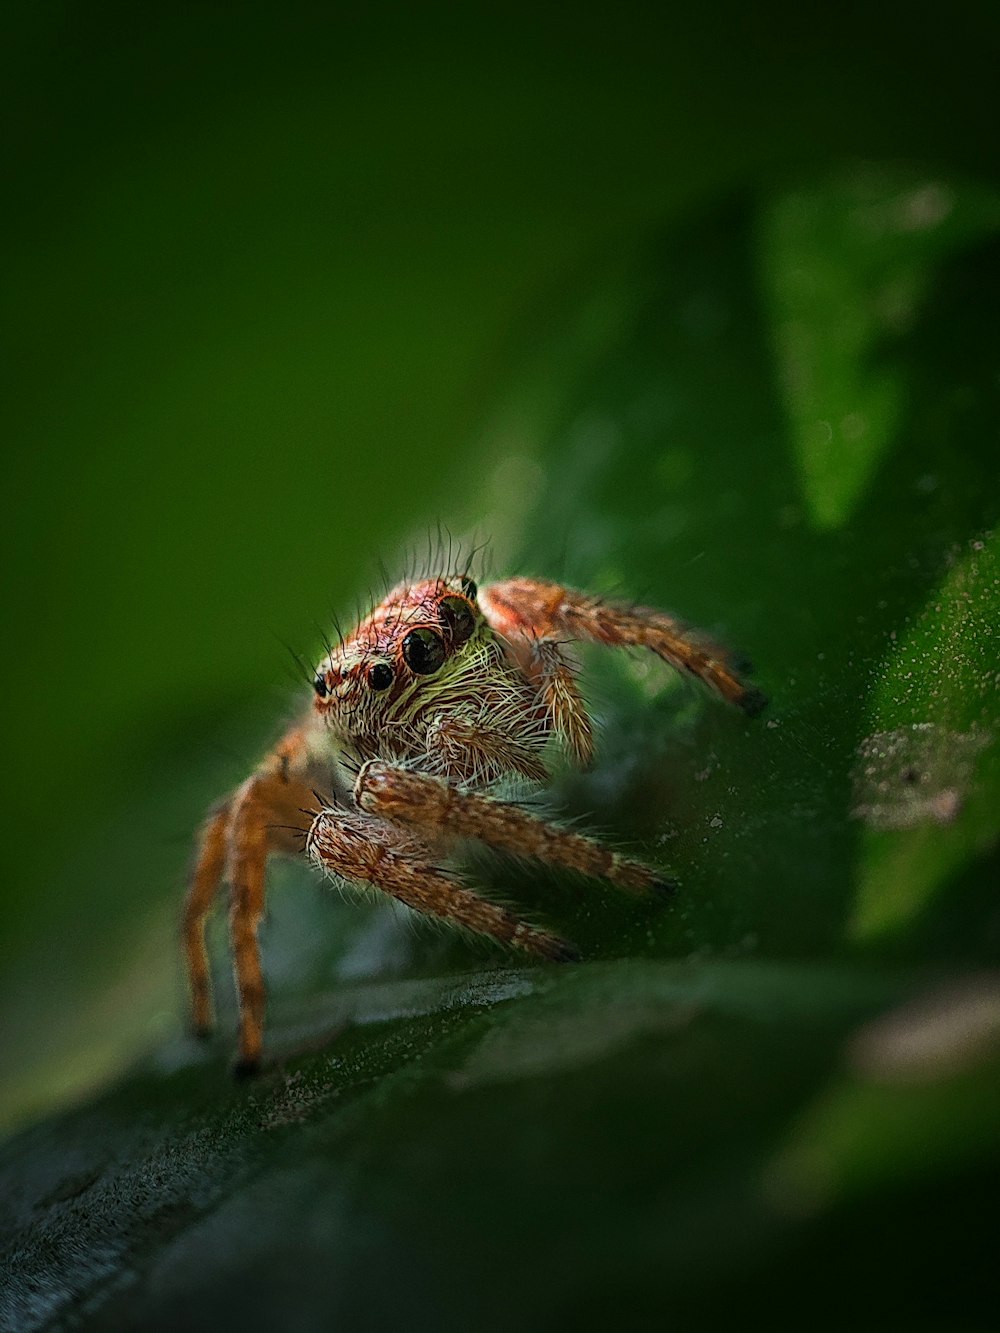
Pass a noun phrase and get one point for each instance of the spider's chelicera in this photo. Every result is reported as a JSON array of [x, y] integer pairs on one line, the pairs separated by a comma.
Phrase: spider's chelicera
[[443, 691]]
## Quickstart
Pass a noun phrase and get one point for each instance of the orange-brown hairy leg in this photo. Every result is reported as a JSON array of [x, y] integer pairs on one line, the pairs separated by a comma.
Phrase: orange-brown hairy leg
[[202, 888], [433, 805], [643, 626], [247, 871], [548, 610], [267, 816], [358, 847]]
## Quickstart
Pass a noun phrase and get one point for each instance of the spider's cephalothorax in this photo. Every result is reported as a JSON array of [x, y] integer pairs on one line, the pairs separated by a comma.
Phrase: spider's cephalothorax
[[421, 678], [440, 693]]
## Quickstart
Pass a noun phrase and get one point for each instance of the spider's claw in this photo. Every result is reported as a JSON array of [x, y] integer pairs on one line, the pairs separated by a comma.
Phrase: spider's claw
[[246, 1068], [753, 701], [202, 1031], [664, 889], [561, 951]]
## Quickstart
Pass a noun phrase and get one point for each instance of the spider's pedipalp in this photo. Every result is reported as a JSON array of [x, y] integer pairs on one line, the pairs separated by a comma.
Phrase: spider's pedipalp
[[556, 682], [476, 753]]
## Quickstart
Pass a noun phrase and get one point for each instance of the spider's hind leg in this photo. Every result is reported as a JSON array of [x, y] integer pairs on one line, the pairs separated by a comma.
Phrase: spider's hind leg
[[203, 886], [268, 815], [529, 606]]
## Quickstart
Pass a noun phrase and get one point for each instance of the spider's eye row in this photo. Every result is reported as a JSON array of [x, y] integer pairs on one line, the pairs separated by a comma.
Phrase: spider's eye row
[[423, 651], [380, 676], [469, 588], [319, 685], [457, 615]]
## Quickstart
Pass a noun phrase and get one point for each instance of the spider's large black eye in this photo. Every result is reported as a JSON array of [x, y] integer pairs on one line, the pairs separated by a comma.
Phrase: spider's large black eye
[[470, 589], [319, 685], [380, 676], [423, 651], [457, 614]]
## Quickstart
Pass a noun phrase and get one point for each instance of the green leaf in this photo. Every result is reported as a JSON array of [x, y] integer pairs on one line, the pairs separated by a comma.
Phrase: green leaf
[[927, 776], [486, 1090], [718, 1100], [847, 264], [920, 1100]]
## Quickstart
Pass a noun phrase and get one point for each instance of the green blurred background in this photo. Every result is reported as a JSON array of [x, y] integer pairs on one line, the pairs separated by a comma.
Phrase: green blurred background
[[288, 285]]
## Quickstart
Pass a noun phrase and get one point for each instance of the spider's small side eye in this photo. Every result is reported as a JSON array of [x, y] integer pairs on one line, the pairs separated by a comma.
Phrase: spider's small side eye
[[457, 615], [380, 676], [319, 685], [423, 651], [470, 589]]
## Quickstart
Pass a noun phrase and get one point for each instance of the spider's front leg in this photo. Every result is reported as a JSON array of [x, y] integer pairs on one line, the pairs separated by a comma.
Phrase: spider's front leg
[[440, 810], [358, 846]]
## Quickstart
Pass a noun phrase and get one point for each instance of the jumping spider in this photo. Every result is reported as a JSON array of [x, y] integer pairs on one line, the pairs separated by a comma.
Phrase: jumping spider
[[441, 692]]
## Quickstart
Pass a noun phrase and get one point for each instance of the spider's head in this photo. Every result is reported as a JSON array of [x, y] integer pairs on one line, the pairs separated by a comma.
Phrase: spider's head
[[413, 646]]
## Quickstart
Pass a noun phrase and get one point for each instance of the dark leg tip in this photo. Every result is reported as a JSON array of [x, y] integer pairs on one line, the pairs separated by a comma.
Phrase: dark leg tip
[[753, 702], [246, 1068], [561, 951], [664, 889], [202, 1032]]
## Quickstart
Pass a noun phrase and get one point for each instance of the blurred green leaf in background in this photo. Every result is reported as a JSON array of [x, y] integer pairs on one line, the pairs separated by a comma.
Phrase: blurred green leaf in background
[[698, 308]]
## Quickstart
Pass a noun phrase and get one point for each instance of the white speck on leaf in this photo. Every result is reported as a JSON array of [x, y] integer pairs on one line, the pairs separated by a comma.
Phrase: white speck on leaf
[[914, 775]]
